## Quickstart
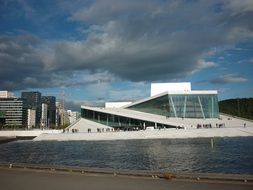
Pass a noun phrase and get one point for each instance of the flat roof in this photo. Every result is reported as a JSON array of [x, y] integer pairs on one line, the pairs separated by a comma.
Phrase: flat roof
[[157, 88]]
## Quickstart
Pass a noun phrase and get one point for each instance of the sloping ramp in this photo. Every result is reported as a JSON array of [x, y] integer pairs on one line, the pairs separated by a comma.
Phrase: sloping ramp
[[83, 125]]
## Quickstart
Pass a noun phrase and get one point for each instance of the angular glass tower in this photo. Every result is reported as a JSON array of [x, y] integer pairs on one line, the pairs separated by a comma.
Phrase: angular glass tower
[[185, 105]]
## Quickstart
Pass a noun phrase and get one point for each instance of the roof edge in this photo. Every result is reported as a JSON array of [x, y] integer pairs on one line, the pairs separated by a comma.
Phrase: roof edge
[[173, 93]]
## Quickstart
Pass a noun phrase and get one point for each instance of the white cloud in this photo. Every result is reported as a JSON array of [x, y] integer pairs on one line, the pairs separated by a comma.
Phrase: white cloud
[[206, 64], [229, 78], [130, 92], [238, 7]]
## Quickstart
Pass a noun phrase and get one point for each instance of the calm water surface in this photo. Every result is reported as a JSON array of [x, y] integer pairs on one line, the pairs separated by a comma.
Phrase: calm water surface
[[229, 155]]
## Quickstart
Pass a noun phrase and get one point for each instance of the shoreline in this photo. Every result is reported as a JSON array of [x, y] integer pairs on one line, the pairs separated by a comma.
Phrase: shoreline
[[29, 180], [52, 178], [246, 178], [172, 133], [13, 179], [24, 134]]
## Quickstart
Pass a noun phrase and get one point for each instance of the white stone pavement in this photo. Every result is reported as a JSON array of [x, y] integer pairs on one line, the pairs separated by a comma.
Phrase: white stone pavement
[[234, 127], [150, 134]]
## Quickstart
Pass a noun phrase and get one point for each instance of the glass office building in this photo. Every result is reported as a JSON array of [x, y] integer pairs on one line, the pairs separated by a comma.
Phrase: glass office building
[[51, 109], [33, 100]]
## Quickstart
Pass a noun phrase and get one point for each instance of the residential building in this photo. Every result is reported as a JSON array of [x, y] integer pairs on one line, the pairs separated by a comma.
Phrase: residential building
[[31, 118], [73, 116], [62, 118], [6, 94], [44, 116]]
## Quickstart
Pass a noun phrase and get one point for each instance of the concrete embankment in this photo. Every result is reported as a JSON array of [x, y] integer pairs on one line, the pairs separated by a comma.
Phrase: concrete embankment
[[150, 134], [34, 177], [10, 135]]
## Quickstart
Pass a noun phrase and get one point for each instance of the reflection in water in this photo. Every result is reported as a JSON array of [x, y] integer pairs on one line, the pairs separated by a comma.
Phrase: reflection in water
[[228, 155]]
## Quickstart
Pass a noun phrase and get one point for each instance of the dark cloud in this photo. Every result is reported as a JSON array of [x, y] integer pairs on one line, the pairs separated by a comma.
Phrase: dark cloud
[[136, 41], [20, 64], [154, 40], [76, 105], [23, 66], [73, 105]]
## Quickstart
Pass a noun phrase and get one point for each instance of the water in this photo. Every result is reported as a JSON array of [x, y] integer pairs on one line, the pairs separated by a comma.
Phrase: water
[[229, 155]]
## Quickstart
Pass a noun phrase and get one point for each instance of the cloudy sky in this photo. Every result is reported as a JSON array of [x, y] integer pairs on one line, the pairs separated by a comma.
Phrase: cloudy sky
[[108, 50]]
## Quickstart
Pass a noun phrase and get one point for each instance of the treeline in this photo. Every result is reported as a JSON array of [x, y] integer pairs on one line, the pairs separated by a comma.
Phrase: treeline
[[241, 107]]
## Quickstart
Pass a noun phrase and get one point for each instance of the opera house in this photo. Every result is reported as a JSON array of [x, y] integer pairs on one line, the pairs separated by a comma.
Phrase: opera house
[[169, 105]]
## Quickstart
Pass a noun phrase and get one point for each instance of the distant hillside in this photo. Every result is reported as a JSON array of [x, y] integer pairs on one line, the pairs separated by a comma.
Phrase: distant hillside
[[241, 107]]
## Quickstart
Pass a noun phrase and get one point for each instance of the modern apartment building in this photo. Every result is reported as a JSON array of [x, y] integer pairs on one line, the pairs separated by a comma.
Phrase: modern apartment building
[[44, 116], [6, 94], [13, 112], [31, 118]]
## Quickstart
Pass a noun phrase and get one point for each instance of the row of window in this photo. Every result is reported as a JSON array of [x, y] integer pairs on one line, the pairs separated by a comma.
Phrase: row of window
[[117, 121]]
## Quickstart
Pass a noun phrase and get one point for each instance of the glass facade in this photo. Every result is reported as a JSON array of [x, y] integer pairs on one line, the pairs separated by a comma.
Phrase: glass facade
[[33, 100], [159, 106], [181, 105], [51, 109], [170, 105], [119, 122]]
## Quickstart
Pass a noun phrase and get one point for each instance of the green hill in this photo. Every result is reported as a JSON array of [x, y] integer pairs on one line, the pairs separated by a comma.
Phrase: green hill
[[241, 107]]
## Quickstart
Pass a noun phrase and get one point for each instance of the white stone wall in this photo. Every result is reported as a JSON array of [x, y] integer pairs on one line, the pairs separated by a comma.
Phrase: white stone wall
[[116, 104], [158, 88]]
